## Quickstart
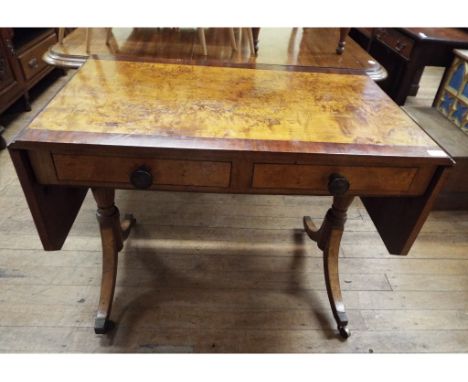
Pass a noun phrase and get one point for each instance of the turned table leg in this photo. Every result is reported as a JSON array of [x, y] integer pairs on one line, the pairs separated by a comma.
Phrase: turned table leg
[[113, 233], [328, 238]]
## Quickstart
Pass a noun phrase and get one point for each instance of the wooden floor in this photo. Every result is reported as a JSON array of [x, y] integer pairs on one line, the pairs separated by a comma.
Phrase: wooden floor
[[227, 273], [429, 83]]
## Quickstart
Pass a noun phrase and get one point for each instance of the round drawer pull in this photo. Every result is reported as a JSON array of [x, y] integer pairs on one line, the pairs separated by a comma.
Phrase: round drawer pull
[[338, 184], [33, 63], [141, 178], [400, 46]]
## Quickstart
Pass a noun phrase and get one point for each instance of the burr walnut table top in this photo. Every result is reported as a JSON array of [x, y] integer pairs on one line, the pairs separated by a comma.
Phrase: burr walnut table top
[[168, 105]]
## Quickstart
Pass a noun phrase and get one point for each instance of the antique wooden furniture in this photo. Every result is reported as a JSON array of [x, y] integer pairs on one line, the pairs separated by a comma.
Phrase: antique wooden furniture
[[158, 126], [447, 123], [406, 51], [21, 64]]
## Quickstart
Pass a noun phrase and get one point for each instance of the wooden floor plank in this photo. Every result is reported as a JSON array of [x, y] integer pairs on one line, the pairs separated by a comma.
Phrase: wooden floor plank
[[158, 275], [218, 258], [17, 219], [415, 319], [428, 282], [138, 340], [242, 298]]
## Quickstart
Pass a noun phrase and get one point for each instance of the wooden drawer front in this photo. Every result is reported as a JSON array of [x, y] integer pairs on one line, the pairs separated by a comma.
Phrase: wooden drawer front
[[396, 41], [117, 170], [363, 180], [31, 60]]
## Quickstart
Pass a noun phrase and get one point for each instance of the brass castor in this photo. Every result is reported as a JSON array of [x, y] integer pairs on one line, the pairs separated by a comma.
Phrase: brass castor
[[344, 332], [102, 325]]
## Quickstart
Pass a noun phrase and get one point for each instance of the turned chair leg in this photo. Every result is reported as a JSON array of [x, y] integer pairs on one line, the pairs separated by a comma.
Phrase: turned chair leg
[[255, 34], [88, 40], [113, 233], [342, 42], [201, 36], [328, 238], [239, 41], [253, 52], [249, 33], [61, 34], [233, 39], [108, 35]]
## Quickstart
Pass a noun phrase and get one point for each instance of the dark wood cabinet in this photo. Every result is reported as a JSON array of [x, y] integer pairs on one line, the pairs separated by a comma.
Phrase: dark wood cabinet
[[404, 52], [10, 85], [21, 63], [447, 123]]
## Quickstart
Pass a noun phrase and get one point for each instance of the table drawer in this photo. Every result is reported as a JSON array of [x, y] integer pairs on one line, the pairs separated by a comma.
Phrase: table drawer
[[31, 60], [119, 171], [363, 180], [396, 41]]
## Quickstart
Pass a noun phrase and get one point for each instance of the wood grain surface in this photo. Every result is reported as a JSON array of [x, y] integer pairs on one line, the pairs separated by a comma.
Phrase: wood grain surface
[[119, 97]]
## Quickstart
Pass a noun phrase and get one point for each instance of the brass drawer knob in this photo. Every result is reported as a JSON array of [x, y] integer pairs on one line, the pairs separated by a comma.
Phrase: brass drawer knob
[[141, 178], [338, 184]]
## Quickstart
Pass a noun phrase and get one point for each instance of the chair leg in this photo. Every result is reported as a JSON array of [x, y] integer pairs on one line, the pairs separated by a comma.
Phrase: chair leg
[[61, 34], [342, 41], [108, 35], [88, 40], [251, 42], [233, 38], [201, 36]]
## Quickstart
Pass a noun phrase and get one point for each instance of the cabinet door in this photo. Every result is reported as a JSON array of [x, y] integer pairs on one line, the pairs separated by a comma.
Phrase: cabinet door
[[6, 76], [10, 87]]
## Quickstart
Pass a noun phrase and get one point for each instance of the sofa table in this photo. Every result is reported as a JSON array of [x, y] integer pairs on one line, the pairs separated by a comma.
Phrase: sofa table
[[145, 125]]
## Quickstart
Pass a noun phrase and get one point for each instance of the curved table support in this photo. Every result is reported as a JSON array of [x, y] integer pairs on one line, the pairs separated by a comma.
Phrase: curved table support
[[328, 238], [113, 234]]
